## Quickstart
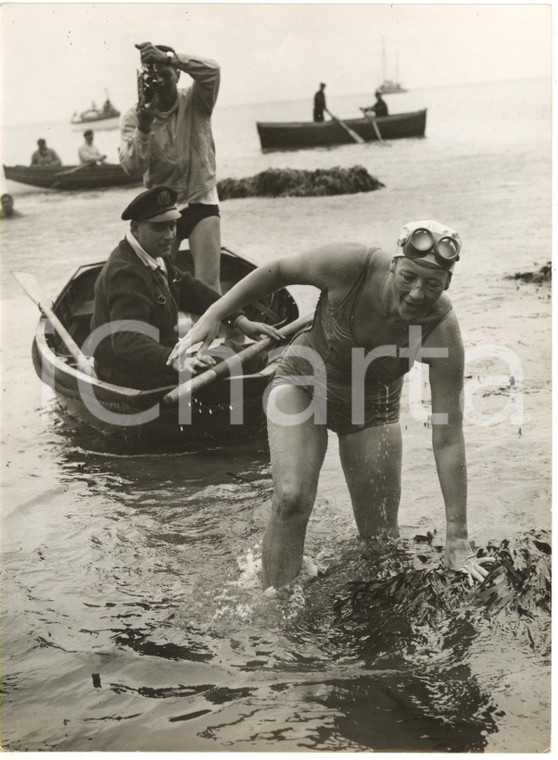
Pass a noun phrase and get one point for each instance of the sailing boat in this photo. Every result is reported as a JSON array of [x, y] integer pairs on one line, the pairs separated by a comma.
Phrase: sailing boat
[[389, 86]]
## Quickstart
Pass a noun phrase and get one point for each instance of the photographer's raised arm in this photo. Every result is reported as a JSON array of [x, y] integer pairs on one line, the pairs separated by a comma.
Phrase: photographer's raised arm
[[206, 74]]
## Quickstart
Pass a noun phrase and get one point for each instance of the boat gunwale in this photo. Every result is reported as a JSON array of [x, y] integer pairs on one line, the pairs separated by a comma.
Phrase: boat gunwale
[[357, 120]]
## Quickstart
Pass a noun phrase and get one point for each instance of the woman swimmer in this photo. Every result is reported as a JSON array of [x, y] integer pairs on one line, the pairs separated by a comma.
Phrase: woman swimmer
[[376, 315]]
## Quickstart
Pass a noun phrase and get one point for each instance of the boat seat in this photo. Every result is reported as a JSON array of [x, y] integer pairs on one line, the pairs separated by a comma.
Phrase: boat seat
[[85, 309]]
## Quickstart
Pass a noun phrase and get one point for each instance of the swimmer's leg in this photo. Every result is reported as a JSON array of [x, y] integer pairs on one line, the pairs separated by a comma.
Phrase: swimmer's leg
[[297, 455], [371, 460]]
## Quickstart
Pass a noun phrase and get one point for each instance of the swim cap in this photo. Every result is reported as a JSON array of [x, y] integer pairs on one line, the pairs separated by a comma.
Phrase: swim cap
[[430, 241]]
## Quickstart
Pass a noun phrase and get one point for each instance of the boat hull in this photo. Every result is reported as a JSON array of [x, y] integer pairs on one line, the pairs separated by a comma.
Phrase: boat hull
[[228, 410], [293, 135], [89, 178], [94, 118]]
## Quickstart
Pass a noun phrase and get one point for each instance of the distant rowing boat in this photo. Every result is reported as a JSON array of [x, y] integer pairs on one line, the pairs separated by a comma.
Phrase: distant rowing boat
[[288, 135], [80, 177]]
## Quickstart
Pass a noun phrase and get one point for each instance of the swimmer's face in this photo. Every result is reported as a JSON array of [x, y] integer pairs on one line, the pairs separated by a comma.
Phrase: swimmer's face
[[417, 287]]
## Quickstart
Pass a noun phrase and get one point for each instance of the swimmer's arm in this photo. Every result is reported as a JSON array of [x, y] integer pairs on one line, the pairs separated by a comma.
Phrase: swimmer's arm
[[323, 267], [446, 384], [448, 444]]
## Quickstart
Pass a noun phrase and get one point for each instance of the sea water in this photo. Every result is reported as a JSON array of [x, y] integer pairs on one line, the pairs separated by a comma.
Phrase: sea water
[[134, 617]]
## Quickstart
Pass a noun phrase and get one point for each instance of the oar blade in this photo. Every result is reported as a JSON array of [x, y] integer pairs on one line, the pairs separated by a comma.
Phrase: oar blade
[[30, 285]]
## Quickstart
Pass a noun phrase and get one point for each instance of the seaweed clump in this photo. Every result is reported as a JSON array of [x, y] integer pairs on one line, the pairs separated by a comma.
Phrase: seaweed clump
[[281, 183], [515, 597], [544, 274]]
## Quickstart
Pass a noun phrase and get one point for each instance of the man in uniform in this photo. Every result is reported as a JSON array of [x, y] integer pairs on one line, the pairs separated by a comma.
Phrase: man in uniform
[[139, 282]]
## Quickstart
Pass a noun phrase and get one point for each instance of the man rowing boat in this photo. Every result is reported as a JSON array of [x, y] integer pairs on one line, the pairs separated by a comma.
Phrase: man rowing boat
[[377, 314]]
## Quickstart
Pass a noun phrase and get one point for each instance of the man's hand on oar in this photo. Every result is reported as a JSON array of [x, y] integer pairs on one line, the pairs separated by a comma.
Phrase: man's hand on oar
[[192, 364], [255, 330]]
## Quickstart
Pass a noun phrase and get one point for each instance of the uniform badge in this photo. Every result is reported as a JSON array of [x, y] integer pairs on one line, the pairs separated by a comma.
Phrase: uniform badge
[[164, 199]]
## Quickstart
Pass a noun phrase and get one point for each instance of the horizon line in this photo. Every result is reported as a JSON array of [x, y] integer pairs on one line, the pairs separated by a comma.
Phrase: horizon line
[[290, 100]]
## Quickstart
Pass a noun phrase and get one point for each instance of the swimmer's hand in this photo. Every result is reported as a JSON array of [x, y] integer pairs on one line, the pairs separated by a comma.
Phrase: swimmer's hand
[[207, 328], [460, 557], [204, 331]]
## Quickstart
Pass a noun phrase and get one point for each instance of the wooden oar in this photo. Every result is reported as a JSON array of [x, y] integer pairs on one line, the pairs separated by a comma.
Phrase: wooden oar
[[60, 176], [77, 168], [374, 124], [224, 368], [31, 287], [356, 138]]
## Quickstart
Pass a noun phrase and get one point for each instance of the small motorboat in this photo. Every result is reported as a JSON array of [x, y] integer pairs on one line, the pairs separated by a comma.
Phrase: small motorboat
[[107, 111]]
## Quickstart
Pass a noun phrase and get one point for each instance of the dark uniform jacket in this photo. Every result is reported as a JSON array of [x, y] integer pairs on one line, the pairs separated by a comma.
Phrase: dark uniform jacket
[[127, 289]]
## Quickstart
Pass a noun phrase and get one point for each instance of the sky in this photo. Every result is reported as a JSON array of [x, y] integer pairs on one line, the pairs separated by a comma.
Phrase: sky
[[55, 58]]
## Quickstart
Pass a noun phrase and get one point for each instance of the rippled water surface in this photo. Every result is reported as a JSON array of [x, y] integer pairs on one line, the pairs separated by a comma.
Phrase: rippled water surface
[[134, 617]]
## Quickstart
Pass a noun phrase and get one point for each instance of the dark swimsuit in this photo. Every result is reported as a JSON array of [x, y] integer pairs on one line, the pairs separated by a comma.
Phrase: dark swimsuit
[[333, 337]]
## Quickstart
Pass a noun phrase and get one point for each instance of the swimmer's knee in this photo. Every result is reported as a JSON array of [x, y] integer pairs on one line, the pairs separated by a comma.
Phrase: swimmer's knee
[[293, 501]]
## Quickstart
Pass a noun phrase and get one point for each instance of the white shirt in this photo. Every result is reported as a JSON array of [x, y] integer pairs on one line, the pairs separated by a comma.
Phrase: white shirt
[[89, 153], [144, 257]]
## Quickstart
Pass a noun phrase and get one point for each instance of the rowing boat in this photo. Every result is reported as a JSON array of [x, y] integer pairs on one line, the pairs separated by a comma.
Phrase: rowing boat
[[76, 177], [76, 392], [309, 134]]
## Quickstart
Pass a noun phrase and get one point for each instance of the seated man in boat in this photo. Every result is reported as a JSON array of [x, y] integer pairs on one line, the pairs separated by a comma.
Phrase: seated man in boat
[[89, 153], [45, 157], [380, 106], [139, 282], [320, 103]]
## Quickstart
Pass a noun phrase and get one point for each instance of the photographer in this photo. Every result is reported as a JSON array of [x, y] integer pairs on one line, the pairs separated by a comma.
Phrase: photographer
[[167, 138]]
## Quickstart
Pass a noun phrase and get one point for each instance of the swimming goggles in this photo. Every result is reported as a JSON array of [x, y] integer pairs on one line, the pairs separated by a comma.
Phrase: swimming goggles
[[430, 241]]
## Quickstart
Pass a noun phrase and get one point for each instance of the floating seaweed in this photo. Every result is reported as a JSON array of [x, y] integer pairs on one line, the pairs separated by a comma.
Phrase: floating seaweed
[[434, 655], [280, 183], [394, 596], [543, 275]]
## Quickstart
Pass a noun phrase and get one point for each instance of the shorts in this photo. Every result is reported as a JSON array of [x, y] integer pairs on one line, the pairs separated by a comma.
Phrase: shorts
[[380, 406], [191, 216]]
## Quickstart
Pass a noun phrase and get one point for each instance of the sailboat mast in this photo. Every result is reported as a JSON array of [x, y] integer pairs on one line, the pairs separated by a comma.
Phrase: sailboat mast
[[383, 61]]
